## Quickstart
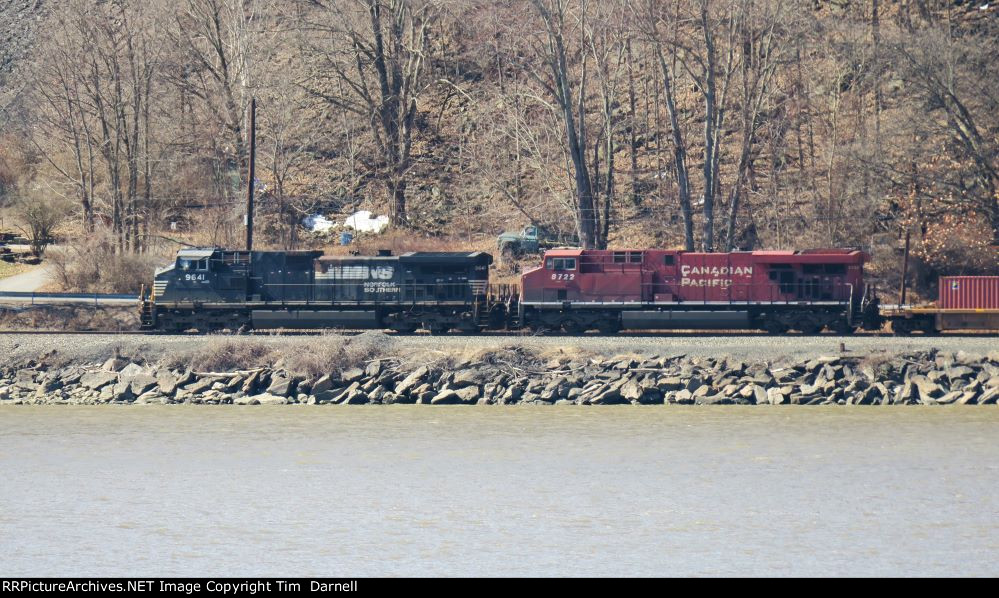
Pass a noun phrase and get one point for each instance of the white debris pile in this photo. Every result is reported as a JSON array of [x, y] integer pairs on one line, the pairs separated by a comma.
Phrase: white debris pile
[[363, 222], [318, 223]]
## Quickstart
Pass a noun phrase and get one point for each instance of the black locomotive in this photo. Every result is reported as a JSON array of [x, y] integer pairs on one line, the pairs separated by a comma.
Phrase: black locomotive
[[213, 289]]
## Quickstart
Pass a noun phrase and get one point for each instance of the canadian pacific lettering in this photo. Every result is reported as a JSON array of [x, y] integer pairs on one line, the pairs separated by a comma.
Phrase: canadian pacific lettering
[[712, 276], [716, 270]]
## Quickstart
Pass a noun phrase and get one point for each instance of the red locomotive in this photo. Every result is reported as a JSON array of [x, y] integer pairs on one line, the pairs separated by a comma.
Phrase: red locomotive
[[575, 290]]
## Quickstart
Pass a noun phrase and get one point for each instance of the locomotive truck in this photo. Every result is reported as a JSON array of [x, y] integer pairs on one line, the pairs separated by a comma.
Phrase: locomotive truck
[[572, 290]]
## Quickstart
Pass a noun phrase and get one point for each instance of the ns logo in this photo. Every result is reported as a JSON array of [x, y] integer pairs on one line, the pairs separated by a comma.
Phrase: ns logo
[[382, 272]]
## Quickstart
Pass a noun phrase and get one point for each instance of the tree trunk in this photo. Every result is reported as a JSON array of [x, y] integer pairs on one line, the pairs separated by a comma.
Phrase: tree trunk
[[397, 199], [711, 127], [679, 154]]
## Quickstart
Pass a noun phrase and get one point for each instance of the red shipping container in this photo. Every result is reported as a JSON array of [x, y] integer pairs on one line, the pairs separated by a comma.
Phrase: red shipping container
[[969, 292]]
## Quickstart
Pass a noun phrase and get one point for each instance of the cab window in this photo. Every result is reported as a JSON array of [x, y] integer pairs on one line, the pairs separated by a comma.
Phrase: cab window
[[568, 263], [561, 263], [190, 264]]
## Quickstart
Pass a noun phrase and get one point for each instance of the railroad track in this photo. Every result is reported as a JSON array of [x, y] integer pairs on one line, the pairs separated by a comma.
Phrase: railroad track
[[680, 334], [76, 332]]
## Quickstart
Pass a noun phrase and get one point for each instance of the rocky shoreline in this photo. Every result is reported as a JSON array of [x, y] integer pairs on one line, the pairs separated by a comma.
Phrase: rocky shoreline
[[515, 376]]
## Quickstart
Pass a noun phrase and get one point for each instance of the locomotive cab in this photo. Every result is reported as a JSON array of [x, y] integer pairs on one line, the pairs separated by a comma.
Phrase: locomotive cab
[[203, 275]]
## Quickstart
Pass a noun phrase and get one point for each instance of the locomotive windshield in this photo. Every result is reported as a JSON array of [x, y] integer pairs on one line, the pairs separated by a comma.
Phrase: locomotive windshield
[[192, 264], [559, 263]]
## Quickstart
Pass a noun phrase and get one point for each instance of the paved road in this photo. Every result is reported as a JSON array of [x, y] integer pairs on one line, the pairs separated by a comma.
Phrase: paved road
[[32, 280], [39, 276]]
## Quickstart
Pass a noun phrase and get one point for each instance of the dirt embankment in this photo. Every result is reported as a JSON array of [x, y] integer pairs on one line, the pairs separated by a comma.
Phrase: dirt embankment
[[19, 21], [68, 318]]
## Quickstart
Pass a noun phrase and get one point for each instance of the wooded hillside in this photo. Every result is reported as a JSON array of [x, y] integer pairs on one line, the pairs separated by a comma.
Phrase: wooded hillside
[[707, 124]]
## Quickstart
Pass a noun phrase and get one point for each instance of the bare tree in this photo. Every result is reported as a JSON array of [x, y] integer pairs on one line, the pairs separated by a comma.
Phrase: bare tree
[[62, 116], [660, 26], [956, 80], [214, 43], [764, 48], [370, 59], [605, 37], [39, 217], [286, 141], [711, 67], [119, 71], [96, 89], [580, 42]]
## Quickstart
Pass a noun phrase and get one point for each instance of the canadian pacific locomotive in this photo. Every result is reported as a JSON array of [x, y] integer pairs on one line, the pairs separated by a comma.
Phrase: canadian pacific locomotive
[[572, 290], [575, 290]]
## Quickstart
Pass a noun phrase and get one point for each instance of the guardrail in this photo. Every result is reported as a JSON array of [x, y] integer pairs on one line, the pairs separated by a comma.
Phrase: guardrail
[[35, 298]]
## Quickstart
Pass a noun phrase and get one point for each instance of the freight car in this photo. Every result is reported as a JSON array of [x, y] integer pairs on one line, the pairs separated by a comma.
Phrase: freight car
[[213, 289], [964, 303], [777, 291], [572, 290]]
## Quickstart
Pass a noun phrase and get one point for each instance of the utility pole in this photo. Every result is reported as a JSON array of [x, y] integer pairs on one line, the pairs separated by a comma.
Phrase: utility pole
[[905, 268], [249, 185]]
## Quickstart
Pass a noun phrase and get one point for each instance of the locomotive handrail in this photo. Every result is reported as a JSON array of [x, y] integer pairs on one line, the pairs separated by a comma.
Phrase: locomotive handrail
[[849, 312], [775, 294], [362, 297]]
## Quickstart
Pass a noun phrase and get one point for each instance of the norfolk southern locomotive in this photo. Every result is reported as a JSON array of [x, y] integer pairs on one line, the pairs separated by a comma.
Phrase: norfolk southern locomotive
[[572, 291], [214, 289]]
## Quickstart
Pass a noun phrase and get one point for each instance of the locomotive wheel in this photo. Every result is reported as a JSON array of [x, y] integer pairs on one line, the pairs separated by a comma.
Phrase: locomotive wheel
[[928, 327], [498, 317], [172, 325], [608, 326], [841, 326], [539, 328], [809, 325], [571, 326], [235, 323], [901, 327], [773, 325], [403, 329]]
